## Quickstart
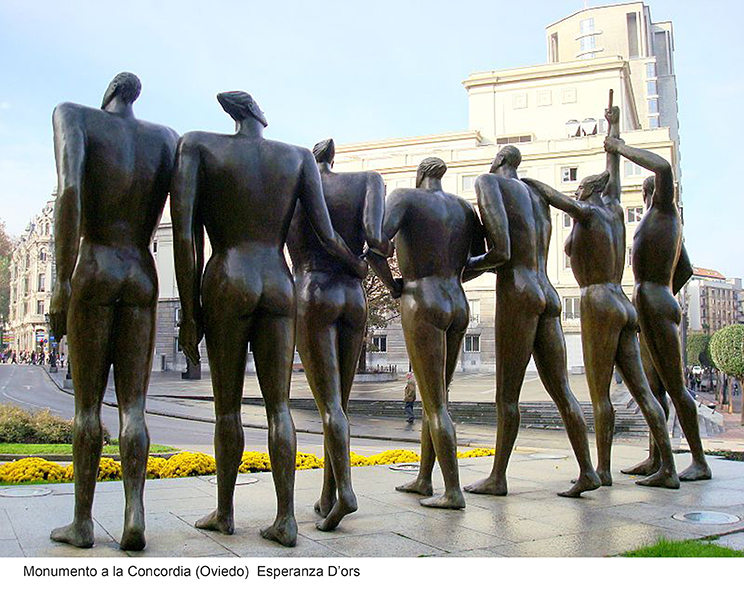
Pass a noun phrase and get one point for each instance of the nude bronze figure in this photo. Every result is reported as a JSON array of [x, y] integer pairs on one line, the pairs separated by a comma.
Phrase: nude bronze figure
[[434, 233], [243, 189], [609, 323], [332, 314], [113, 176], [528, 316], [657, 248]]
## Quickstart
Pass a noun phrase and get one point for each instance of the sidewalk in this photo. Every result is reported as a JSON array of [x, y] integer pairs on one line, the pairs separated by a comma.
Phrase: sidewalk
[[531, 521]]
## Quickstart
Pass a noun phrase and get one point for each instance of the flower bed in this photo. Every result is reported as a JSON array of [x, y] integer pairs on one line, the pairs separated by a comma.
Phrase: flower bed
[[33, 469]]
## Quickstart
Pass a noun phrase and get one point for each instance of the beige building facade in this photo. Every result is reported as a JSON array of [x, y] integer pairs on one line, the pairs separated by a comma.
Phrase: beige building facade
[[553, 113], [31, 277], [713, 301]]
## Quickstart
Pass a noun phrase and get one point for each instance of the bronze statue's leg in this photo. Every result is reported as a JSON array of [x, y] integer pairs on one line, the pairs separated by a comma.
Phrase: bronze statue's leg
[[318, 345], [227, 345], [426, 346], [629, 363], [273, 342], [550, 359], [515, 339], [132, 357], [602, 319], [659, 316], [89, 337], [651, 464]]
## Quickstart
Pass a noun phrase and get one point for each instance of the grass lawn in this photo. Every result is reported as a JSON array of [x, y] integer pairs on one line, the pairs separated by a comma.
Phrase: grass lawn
[[66, 449], [685, 548]]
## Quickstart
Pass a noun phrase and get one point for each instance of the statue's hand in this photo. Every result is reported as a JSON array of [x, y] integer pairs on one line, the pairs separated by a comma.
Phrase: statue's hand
[[58, 309], [361, 267], [612, 115], [190, 335], [397, 291], [612, 145]]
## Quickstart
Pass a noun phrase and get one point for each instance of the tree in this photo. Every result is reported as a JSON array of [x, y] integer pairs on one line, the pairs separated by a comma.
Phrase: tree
[[727, 351], [6, 249], [698, 349], [381, 308]]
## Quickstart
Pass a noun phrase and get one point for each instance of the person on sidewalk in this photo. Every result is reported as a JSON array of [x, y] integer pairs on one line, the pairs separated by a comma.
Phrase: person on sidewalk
[[410, 397]]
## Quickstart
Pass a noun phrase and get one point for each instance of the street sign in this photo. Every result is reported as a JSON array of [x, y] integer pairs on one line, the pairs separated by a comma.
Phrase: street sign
[[40, 336]]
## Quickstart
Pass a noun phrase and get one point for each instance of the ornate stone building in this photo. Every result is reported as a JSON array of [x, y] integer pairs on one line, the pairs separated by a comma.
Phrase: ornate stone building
[[31, 277]]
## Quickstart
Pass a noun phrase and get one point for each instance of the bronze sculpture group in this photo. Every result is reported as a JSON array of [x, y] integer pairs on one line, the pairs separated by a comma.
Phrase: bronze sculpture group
[[252, 196]]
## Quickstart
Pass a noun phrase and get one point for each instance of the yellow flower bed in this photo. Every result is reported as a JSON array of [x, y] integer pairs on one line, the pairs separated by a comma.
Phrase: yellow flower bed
[[33, 469], [187, 464]]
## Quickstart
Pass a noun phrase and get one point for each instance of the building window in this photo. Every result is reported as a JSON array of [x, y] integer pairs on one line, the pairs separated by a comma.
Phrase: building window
[[554, 47], [28, 261], [474, 305], [40, 308], [650, 70], [567, 220], [155, 246], [588, 43], [632, 169], [468, 181], [42, 254], [653, 122], [634, 215], [46, 229], [586, 26], [653, 106], [176, 346], [629, 258], [513, 139], [571, 308], [379, 341], [472, 343], [41, 283], [177, 317], [651, 88], [25, 285], [569, 174], [566, 261], [632, 22]]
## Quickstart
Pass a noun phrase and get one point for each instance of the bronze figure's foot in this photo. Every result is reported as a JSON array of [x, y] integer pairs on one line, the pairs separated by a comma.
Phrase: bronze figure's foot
[[344, 506], [647, 467], [76, 534], [424, 488], [584, 483], [696, 472], [217, 522], [489, 485], [133, 537], [282, 530], [324, 505], [605, 477], [661, 479], [448, 500]]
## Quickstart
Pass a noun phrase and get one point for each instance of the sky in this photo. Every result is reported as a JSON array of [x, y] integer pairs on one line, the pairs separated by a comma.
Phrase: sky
[[352, 70]]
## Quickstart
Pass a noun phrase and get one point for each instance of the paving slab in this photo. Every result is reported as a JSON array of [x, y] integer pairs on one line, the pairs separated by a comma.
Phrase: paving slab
[[735, 541]]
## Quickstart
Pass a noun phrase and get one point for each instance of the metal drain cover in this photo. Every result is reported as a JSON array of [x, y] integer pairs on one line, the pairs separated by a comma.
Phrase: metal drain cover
[[243, 480], [546, 456], [24, 492], [405, 467], [707, 517]]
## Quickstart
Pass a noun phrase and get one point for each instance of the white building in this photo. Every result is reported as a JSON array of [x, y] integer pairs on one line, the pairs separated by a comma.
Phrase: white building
[[31, 277], [713, 301], [554, 113]]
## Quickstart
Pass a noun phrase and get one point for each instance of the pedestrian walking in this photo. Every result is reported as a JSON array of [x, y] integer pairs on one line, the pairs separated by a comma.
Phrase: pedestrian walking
[[410, 397]]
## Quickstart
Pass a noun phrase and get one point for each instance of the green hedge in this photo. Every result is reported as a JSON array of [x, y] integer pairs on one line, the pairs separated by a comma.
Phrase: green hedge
[[38, 427], [727, 350], [698, 349]]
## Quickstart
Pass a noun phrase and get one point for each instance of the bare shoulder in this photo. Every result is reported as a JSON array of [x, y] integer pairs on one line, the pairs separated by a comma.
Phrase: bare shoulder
[[199, 139], [68, 112], [165, 133]]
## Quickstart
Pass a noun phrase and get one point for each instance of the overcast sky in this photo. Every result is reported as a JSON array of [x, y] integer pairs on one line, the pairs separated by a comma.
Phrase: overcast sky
[[352, 70]]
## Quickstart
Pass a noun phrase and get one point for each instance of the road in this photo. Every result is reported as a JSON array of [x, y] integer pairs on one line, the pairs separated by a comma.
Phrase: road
[[29, 387]]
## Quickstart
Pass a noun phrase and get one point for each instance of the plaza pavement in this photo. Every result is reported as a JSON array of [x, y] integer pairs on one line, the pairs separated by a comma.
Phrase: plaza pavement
[[531, 521]]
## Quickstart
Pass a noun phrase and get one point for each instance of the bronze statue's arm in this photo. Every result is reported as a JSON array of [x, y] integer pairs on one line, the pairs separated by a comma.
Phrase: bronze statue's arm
[[312, 200], [579, 210], [683, 271], [395, 209], [374, 212], [188, 242], [664, 188], [69, 153], [613, 187], [496, 223], [477, 249]]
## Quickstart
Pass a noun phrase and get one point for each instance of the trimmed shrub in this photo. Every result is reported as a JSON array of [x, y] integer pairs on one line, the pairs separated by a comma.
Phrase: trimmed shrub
[[36, 427]]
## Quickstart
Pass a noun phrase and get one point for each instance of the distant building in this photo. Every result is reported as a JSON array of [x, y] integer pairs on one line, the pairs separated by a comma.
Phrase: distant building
[[31, 276], [713, 301], [554, 113]]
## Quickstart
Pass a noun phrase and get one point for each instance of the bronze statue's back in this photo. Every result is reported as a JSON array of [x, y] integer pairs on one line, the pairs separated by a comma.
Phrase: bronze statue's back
[[127, 171]]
